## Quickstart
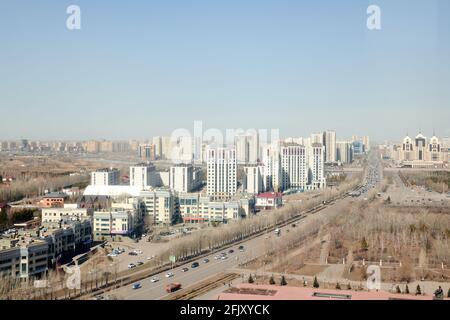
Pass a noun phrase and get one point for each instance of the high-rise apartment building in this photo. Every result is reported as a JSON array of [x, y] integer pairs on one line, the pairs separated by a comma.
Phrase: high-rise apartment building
[[105, 177], [294, 172], [142, 176], [272, 167], [254, 179], [329, 142], [221, 172], [182, 178], [344, 151], [316, 167]]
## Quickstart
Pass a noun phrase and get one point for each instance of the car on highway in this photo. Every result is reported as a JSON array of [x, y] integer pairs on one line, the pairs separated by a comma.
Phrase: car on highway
[[131, 266], [153, 280], [99, 297], [231, 251], [185, 270], [136, 286], [169, 275], [205, 260], [241, 248], [195, 265], [224, 257], [139, 263], [217, 257], [132, 253], [173, 287], [223, 254]]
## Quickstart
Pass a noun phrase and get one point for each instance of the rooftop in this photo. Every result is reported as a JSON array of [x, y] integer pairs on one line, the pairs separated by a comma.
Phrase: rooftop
[[268, 292]]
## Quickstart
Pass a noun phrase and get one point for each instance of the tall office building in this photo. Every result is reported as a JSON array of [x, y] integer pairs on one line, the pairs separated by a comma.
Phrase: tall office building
[[105, 177], [142, 176], [329, 141], [221, 172], [294, 174], [316, 166]]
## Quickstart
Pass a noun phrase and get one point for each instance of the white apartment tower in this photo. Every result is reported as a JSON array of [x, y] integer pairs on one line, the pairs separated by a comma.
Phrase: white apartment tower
[[294, 173], [181, 178], [105, 177], [142, 176], [316, 166], [272, 168], [254, 179], [329, 142], [221, 172]]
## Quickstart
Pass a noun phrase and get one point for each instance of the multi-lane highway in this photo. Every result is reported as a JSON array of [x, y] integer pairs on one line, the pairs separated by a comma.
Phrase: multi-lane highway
[[253, 248]]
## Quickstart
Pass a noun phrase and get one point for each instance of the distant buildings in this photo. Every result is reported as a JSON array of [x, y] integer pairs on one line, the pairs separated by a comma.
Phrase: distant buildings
[[344, 152], [419, 152]]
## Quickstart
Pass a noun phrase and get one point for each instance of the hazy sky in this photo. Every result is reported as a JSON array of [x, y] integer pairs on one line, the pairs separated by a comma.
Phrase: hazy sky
[[142, 68]]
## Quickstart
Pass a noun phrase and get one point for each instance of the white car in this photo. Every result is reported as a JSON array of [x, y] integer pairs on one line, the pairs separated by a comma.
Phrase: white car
[[131, 266], [217, 257], [224, 257], [169, 275], [112, 255], [153, 280]]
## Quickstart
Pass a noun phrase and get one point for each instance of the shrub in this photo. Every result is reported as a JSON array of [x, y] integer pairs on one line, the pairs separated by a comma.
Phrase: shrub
[[250, 279], [283, 281], [407, 289], [272, 280], [338, 286]]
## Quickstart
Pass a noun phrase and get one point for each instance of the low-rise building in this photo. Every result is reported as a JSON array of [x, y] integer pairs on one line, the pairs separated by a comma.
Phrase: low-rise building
[[56, 214], [53, 200], [269, 200], [121, 219]]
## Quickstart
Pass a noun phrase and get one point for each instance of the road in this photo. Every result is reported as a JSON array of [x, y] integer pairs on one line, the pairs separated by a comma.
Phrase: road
[[254, 248]]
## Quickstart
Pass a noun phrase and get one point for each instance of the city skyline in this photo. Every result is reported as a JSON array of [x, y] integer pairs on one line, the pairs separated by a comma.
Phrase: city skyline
[[138, 71]]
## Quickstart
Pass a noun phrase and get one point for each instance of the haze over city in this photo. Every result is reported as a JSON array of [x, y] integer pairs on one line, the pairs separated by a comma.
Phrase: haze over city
[[155, 66]]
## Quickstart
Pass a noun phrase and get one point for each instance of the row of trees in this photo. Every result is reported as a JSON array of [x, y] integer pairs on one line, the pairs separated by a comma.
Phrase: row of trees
[[18, 190]]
